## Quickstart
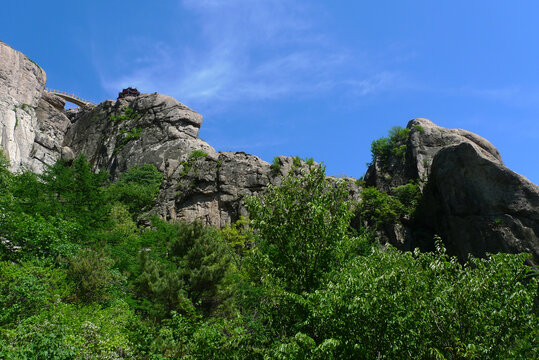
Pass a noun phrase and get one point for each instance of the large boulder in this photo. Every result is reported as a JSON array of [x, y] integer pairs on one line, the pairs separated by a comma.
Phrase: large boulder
[[479, 206], [469, 197]]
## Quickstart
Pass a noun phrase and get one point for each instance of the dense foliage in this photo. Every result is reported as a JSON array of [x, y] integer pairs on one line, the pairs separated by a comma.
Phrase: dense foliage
[[85, 274], [394, 145], [378, 209]]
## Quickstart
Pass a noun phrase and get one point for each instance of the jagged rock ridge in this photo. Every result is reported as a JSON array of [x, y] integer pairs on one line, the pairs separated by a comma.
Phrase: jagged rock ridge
[[469, 197]]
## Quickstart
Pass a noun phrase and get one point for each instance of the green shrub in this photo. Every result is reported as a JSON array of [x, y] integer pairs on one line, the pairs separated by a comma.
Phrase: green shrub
[[69, 331], [195, 154], [90, 270], [419, 128], [76, 192], [394, 145], [392, 304], [132, 134], [360, 181], [276, 166], [408, 195], [239, 236], [29, 288], [137, 188], [185, 337], [186, 167], [27, 237], [378, 208], [128, 114], [195, 262], [296, 161]]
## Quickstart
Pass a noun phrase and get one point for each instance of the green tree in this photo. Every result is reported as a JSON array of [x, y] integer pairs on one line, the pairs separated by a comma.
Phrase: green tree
[[302, 228], [90, 271], [29, 288], [137, 188], [77, 192], [395, 305], [378, 209], [190, 270]]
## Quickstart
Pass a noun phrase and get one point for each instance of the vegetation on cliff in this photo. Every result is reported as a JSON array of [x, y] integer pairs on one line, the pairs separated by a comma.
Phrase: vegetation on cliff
[[84, 274]]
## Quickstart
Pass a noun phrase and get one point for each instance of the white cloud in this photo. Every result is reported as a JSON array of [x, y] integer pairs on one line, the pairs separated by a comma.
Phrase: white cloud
[[249, 50]]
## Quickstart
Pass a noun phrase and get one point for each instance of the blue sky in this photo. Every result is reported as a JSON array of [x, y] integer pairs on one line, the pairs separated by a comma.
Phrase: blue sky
[[315, 78]]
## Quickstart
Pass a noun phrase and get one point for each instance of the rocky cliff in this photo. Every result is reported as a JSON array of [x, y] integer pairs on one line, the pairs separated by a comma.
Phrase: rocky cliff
[[199, 183], [469, 197], [33, 122], [21, 86]]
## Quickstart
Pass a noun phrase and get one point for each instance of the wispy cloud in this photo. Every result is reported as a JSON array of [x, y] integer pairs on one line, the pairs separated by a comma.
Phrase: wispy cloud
[[248, 50], [513, 95]]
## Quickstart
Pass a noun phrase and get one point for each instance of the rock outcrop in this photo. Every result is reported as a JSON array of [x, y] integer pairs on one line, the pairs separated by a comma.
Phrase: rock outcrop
[[199, 183], [147, 129], [470, 198], [426, 139], [52, 125]]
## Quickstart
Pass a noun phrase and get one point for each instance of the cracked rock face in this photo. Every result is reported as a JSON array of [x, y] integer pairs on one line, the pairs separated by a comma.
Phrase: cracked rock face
[[211, 188], [52, 125], [20, 78], [199, 183], [148, 129], [21, 84]]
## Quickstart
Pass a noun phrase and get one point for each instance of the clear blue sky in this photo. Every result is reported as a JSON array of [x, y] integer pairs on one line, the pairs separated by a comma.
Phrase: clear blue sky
[[310, 78]]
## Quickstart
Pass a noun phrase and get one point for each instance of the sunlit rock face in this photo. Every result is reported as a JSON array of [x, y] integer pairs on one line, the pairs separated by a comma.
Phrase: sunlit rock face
[[33, 122], [426, 139], [146, 129], [21, 85], [199, 183]]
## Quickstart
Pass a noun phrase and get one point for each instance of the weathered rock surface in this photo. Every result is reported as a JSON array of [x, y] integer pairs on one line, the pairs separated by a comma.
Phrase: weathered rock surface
[[199, 183], [470, 198], [426, 139], [52, 125], [211, 188], [148, 129], [21, 85], [479, 206], [20, 78]]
